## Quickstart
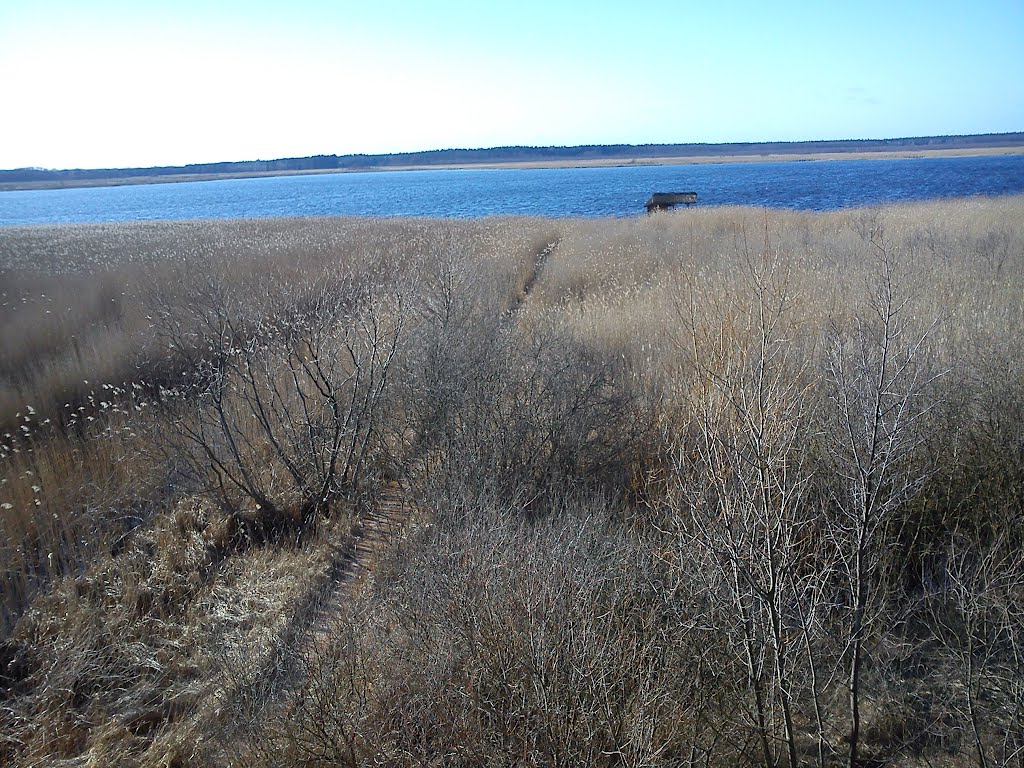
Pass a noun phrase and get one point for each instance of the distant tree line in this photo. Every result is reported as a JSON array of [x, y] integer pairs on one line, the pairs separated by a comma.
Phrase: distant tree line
[[515, 154]]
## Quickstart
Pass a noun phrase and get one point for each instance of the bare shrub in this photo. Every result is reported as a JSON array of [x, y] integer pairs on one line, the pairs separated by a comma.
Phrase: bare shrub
[[881, 389], [975, 608], [742, 529], [493, 641], [530, 409], [284, 411]]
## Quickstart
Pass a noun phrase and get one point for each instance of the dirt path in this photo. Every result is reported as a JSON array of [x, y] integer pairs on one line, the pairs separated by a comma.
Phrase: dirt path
[[259, 695], [379, 529], [540, 259], [353, 562]]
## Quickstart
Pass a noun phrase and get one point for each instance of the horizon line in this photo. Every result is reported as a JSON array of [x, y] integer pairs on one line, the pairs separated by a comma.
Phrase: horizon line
[[1016, 136]]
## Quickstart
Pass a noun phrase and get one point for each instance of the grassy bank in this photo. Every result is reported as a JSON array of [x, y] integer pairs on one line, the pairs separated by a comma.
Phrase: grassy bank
[[720, 486]]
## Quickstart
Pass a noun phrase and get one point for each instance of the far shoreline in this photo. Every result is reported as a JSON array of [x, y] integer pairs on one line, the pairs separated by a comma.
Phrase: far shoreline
[[908, 154]]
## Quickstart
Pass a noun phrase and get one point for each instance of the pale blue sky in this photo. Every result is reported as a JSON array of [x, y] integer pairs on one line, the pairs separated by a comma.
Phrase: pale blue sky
[[112, 84]]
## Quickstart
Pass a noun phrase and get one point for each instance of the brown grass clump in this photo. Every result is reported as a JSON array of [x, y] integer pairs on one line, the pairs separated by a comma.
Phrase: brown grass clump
[[121, 664]]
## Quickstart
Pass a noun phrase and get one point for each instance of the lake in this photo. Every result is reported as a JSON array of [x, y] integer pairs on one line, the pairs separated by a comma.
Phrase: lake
[[816, 186]]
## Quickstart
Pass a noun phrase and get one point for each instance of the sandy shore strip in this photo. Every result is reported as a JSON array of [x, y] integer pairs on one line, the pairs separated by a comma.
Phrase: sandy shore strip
[[605, 162]]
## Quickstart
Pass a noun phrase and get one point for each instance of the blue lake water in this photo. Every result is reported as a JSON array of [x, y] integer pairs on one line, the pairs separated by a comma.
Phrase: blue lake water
[[823, 185]]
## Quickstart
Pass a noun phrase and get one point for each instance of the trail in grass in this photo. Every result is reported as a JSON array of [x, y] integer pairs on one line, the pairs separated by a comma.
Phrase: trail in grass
[[269, 693], [379, 528], [354, 560], [540, 259]]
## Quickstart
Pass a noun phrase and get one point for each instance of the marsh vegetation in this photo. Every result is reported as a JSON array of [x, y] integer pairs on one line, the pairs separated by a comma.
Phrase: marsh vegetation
[[718, 487]]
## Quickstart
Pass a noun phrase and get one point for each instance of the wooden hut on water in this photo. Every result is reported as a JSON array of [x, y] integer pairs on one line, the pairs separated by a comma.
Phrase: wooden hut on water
[[662, 201]]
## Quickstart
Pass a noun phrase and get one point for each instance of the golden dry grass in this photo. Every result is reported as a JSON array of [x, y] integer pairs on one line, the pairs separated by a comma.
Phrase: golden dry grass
[[79, 343], [131, 594], [625, 280]]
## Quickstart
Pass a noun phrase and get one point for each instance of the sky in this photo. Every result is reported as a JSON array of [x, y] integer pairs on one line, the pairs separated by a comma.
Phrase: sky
[[99, 83]]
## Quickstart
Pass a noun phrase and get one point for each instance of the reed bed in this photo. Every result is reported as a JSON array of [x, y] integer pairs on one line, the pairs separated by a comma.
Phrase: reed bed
[[724, 486], [82, 358]]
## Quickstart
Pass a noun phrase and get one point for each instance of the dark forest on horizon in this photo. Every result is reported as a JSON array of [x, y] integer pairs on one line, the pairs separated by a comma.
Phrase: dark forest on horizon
[[517, 154]]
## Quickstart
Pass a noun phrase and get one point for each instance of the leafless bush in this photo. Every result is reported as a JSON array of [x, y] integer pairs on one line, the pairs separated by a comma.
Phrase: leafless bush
[[529, 410], [881, 390], [975, 608], [284, 411], [494, 641], [741, 526]]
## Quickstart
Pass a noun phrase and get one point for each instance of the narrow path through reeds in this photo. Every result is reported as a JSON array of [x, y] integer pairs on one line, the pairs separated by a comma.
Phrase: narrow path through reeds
[[377, 531], [383, 524], [532, 276]]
